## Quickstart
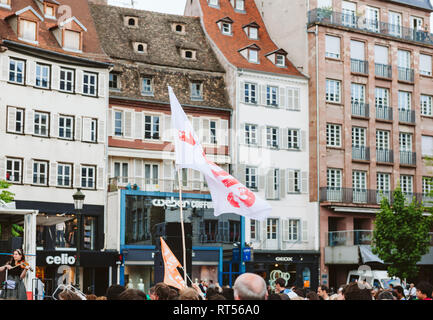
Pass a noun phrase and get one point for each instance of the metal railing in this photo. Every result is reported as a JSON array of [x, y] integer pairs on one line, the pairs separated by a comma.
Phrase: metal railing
[[359, 66], [349, 237], [329, 17], [408, 157], [360, 109], [360, 153], [405, 115], [384, 155], [383, 70], [384, 113], [405, 74], [161, 185]]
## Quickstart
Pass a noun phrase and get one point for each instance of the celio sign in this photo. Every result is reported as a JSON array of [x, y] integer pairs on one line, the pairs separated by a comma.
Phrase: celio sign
[[62, 259]]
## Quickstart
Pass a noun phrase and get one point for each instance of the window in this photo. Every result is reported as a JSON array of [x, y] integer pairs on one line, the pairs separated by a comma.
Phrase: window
[[188, 54], [427, 145], [28, 30], [151, 173], [213, 2], [89, 83], [253, 56], [132, 21], [394, 23], [333, 90], [271, 229], [240, 5], [196, 91], [67, 78], [16, 71], [426, 105], [64, 175], [425, 65], [381, 55], [13, 170], [5, 4], [405, 140], [358, 137], [40, 172], [42, 76], [280, 60], [250, 93], [406, 184], [15, 120], [49, 11], [349, 13], [382, 140], [404, 100], [253, 33], [118, 123], [88, 177], [417, 23], [276, 184], [179, 28], [114, 82], [332, 47], [293, 101], [383, 182], [251, 177], [294, 181], [66, 125], [147, 88], [121, 171], [333, 177], [324, 4], [293, 230], [250, 134], [272, 96], [372, 19], [382, 97], [212, 131], [359, 180], [404, 59], [254, 229], [72, 40], [140, 47], [427, 185], [293, 139], [272, 137], [93, 129], [151, 127], [357, 93], [333, 135], [226, 28], [41, 123], [357, 50]]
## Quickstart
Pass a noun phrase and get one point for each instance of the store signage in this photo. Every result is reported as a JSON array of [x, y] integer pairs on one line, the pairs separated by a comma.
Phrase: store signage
[[173, 203], [284, 259], [62, 259]]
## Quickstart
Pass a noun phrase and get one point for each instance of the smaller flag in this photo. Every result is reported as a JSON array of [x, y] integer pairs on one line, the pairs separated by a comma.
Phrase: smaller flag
[[172, 276]]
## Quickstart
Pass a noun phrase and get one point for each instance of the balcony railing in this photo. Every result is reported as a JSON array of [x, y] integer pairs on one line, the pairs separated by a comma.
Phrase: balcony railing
[[405, 74], [359, 66], [349, 237], [361, 23], [360, 153], [427, 200], [383, 70], [384, 113], [360, 109], [408, 157], [384, 155], [161, 185], [405, 115]]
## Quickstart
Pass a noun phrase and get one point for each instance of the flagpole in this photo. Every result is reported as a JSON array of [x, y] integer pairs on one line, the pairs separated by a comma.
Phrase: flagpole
[[181, 224]]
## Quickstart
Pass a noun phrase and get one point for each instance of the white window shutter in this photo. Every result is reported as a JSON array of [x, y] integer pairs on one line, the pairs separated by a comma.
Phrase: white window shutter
[[285, 229], [101, 130], [2, 168], [240, 173], [303, 140], [78, 128], [196, 180], [261, 136], [55, 77], [79, 81], [282, 183], [282, 93], [54, 128], [53, 174], [284, 138], [101, 85], [290, 181], [196, 125], [12, 119], [100, 179], [30, 118], [139, 130], [167, 134], [4, 64], [137, 172], [262, 89], [296, 99], [262, 181], [304, 231], [87, 123], [77, 176], [242, 93], [270, 184], [290, 104], [205, 131], [224, 133], [110, 123], [304, 182], [168, 174], [242, 134], [128, 124], [30, 72], [281, 137], [28, 164]]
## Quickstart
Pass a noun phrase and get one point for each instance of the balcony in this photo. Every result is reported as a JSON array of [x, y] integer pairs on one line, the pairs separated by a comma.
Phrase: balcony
[[408, 158], [384, 113], [360, 153], [405, 115], [359, 66], [349, 238], [157, 185], [384, 155], [329, 17], [360, 109], [405, 74], [383, 70]]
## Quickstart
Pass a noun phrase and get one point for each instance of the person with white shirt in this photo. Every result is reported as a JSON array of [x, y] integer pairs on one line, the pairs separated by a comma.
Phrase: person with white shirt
[[412, 292]]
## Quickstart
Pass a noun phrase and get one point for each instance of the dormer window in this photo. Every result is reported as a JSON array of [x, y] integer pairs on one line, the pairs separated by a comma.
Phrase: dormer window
[[253, 56], [188, 54], [72, 40], [178, 28], [252, 30], [196, 90], [140, 47], [50, 11], [277, 57], [240, 5], [25, 23], [131, 22], [213, 3], [69, 34], [280, 60], [5, 4], [225, 25], [27, 30]]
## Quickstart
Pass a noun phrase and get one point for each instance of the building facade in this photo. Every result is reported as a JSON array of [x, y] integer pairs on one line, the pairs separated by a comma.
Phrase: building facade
[[370, 68], [270, 138], [54, 98]]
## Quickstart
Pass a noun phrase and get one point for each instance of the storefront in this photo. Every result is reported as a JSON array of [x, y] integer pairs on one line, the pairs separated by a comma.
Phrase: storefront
[[299, 269]]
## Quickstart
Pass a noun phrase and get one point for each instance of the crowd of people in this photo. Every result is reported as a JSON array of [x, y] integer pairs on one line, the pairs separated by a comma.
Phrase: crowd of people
[[249, 286]]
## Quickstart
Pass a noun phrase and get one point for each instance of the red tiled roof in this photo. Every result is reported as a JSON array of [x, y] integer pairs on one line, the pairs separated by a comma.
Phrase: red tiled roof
[[230, 45], [46, 40]]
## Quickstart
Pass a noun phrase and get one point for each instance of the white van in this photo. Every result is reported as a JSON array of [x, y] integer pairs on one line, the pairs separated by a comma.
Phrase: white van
[[376, 278]]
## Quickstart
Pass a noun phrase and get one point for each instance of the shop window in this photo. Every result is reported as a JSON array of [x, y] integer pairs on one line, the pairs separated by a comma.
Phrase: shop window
[[89, 235], [137, 220]]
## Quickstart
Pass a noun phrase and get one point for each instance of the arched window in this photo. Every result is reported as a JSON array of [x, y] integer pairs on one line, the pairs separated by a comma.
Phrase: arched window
[[140, 48], [188, 54], [179, 28], [131, 22]]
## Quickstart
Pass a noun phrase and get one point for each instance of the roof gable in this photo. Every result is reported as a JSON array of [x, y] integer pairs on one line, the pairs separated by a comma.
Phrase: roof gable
[[72, 23], [28, 12]]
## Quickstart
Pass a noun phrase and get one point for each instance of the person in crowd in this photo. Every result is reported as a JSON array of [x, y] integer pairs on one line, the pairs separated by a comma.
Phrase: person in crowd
[[250, 286], [312, 296], [152, 293], [424, 291], [299, 292], [210, 292], [101, 298], [217, 297], [274, 296], [132, 294], [385, 295], [173, 294], [280, 286], [91, 297], [354, 292], [228, 293], [323, 292], [114, 291], [412, 292], [68, 295], [162, 291], [16, 271], [188, 294], [399, 292]]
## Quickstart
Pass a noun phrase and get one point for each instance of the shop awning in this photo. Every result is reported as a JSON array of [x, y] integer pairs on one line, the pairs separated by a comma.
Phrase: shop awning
[[367, 255]]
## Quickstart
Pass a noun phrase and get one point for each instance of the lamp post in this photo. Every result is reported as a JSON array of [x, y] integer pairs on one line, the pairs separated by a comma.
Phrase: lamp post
[[78, 204]]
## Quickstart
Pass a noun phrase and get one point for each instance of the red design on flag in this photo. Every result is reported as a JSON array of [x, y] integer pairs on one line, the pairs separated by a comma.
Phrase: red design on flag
[[184, 138]]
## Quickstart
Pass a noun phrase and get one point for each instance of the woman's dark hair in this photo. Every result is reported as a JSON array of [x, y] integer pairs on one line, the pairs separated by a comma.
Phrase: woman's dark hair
[[312, 296], [162, 291], [274, 296], [228, 293], [173, 294], [132, 294], [210, 292], [114, 291], [216, 297], [21, 253]]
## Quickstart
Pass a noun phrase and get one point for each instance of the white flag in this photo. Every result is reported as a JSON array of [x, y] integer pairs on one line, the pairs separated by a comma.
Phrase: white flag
[[228, 194]]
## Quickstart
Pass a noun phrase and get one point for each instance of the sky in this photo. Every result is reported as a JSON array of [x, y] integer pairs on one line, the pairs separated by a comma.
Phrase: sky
[[164, 6]]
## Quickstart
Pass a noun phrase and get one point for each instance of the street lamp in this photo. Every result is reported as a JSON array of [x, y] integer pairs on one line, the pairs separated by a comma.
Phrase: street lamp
[[78, 205]]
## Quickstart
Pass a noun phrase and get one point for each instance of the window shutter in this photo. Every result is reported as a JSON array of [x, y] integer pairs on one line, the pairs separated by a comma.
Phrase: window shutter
[[28, 163], [53, 174], [285, 229], [78, 128], [381, 55], [206, 129], [128, 124], [262, 181], [241, 173], [168, 173], [101, 85], [282, 137], [282, 183], [242, 89], [262, 89], [304, 182], [196, 180], [332, 45], [242, 134], [282, 102], [270, 184], [12, 119], [303, 140], [290, 181], [196, 126], [357, 50], [110, 123], [425, 63], [224, 133], [139, 130], [2, 168], [263, 227], [167, 135], [31, 72], [290, 99], [79, 81], [87, 122], [304, 231], [54, 125], [261, 136], [55, 77], [296, 100], [101, 130], [100, 178], [4, 64], [77, 176], [30, 117]]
